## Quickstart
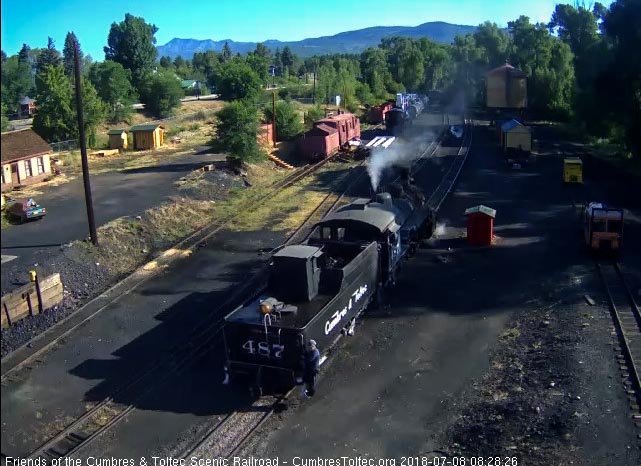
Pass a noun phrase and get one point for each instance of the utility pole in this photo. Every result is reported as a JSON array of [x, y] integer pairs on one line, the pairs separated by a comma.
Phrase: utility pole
[[314, 91], [83, 148], [274, 118]]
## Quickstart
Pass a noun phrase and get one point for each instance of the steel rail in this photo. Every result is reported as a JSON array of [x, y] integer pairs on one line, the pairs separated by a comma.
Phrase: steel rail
[[623, 308], [79, 432]]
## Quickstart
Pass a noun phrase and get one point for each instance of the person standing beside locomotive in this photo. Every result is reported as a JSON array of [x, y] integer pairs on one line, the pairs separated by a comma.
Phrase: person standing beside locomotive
[[312, 364]]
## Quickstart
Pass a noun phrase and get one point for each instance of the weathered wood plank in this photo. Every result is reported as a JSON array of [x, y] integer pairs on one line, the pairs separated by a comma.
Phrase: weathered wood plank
[[16, 303]]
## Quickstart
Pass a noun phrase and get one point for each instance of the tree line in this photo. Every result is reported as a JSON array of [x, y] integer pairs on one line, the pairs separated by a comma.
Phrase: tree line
[[583, 65]]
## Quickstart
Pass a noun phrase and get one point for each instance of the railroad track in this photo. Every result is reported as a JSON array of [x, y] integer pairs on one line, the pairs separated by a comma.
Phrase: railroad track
[[229, 435], [627, 322], [80, 433], [109, 411], [226, 438], [252, 203], [439, 194]]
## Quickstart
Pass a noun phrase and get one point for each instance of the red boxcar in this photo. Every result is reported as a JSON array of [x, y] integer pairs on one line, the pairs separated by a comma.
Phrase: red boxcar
[[376, 114], [330, 134]]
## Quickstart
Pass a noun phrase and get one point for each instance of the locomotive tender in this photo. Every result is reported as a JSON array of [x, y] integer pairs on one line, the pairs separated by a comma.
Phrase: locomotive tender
[[318, 288]]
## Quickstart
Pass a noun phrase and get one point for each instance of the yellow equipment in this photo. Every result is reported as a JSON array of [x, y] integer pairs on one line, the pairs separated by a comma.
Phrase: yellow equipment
[[572, 170], [602, 227]]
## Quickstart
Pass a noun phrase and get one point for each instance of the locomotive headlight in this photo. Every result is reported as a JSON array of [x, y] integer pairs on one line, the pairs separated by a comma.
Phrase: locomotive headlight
[[265, 308]]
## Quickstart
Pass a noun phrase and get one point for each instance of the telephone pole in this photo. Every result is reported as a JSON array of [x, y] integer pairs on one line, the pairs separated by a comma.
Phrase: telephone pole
[[274, 118], [83, 148]]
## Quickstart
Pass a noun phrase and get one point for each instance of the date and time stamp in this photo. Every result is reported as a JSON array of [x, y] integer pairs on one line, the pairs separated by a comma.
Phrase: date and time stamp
[[417, 460]]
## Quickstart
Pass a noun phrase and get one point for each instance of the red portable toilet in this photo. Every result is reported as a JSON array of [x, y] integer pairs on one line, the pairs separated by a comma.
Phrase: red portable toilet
[[480, 225]]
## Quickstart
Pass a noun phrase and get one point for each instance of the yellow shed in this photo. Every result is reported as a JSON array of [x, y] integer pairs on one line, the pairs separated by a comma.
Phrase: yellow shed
[[147, 136], [506, 87], [118, 139], [572, 170], [515, 136]]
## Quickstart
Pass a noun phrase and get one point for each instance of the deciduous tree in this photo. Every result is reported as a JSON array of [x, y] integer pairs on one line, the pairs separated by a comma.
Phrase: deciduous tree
[[161, 93], [132, 43], [237, 131], [112, 83], [288, 124]]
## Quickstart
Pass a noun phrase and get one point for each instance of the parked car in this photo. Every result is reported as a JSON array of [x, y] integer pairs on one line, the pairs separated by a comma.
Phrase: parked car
[[24, 210]]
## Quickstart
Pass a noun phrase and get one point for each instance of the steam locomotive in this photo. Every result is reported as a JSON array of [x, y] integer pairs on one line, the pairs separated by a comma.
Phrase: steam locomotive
[[406, 109], [318, 288]]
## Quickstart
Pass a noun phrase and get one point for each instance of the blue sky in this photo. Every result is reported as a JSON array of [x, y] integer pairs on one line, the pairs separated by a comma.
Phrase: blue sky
[[31, 21]]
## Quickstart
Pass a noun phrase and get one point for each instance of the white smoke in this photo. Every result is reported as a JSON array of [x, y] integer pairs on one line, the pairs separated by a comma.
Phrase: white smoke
[[399, 154]]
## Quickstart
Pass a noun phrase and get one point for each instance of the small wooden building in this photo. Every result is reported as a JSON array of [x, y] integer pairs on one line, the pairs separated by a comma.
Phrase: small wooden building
[[148, 136], [25, 159], [480, 225], [506, 87], [515, 136], [118, 139]]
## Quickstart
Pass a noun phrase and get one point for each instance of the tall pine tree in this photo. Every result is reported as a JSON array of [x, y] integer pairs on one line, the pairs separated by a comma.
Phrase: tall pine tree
[[67, 54]]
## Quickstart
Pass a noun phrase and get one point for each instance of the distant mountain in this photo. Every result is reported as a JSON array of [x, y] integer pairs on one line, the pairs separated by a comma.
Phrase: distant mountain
[[344, 42]]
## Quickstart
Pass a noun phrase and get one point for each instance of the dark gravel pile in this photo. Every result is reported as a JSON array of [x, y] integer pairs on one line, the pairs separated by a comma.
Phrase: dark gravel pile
[[526, 405], [81, 280]]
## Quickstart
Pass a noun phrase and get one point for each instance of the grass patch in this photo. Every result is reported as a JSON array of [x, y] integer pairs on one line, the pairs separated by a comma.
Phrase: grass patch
[[126, 243], [4, 221]]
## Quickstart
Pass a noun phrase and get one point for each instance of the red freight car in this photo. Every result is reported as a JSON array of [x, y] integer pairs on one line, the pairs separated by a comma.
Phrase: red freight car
[[330, 134], [376, 114]]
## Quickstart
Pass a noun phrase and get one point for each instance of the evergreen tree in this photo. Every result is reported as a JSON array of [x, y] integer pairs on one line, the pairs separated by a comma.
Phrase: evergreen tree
[[68, 54], [48, 57], [226, 53]]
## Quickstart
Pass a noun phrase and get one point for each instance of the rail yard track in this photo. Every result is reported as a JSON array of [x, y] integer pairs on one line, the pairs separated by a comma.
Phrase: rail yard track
[[439, 195], [627, 322], [106, 414], [109, 411], [252, 202], [227, 437]]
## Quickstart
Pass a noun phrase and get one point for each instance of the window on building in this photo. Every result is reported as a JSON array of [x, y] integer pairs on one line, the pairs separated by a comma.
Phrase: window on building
[[41, 165], [27, 168]]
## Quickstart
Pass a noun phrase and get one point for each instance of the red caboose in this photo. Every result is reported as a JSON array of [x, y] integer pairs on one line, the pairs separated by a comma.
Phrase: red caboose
[[330, 134], [347, 125], [320, 141]]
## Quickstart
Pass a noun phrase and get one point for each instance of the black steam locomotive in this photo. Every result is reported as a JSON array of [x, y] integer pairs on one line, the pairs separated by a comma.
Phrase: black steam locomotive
[[318, 288]]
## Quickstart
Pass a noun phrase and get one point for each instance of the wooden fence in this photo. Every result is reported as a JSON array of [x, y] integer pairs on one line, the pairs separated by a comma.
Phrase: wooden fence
[[24, 301]]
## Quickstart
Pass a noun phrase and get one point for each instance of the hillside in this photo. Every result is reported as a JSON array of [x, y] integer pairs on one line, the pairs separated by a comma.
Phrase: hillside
[[344, 42]]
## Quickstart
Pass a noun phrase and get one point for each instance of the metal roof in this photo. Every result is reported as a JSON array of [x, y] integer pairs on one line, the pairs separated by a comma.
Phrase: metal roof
[[481, 209], [575, 160], [117, 131], [511, 124], [298, 251], [133, 129], [185, 83], [507, 68]]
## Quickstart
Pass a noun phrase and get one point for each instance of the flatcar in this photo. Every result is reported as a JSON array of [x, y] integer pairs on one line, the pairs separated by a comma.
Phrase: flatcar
[[318, 288]]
